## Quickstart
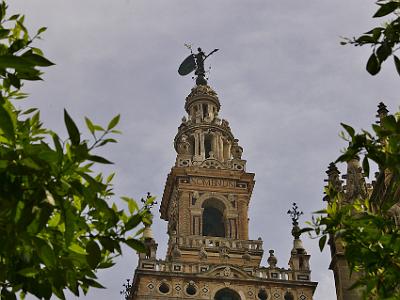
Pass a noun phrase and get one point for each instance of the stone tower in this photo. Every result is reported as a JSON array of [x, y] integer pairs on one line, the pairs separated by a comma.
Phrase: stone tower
[[205, 202]]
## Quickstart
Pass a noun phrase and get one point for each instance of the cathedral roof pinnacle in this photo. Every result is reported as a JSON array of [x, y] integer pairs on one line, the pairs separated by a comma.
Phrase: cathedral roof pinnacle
[[295, 214], [382, 110]]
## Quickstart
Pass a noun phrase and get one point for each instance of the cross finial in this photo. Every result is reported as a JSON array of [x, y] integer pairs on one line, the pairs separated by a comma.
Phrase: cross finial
[[149, 202], [295, 214]]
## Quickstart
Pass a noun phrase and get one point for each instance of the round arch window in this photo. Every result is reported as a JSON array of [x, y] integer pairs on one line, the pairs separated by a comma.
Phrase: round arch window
[[227, 294], [191, 289], [164, 288]]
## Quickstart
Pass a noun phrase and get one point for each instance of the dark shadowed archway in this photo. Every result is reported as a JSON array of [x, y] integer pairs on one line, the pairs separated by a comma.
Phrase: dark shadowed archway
[[213, 218], [226, 294]]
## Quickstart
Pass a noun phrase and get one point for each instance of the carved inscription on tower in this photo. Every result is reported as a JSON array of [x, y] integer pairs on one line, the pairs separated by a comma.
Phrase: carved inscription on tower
[[212, 182]]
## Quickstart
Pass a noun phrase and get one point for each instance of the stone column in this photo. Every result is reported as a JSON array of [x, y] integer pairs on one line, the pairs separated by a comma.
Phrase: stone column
[[221, 147], [197, 142], [214, 144], [202, 149]]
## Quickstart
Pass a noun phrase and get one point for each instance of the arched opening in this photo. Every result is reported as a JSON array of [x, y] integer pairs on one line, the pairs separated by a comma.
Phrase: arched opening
[[192, 145], [289, 296], [213, 218], [205, 110], [207, 145], [226, 294]]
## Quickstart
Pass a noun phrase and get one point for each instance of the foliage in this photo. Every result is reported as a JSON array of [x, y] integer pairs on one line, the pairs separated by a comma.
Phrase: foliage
[[384, 39], [366, 226], [57, 226]]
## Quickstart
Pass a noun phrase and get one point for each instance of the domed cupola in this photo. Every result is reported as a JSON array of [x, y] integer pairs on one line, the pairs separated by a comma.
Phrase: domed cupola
[[203, 139]]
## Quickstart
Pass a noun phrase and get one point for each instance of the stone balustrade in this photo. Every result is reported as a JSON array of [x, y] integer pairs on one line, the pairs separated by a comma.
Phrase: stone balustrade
[[263, 273], [216, 242]]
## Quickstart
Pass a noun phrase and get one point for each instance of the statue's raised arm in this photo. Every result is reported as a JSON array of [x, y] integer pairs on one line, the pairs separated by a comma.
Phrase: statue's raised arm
[[195, 62]]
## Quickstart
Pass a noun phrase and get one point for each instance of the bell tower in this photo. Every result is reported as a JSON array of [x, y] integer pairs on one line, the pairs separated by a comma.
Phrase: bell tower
[[207, 194], [205, 202]]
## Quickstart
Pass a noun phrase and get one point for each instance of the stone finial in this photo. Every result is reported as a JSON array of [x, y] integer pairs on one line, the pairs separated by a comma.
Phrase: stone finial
[[237, 151], [355, 182], [332, 170], [147, 232], [295, 214], [272, 260], [382, 111], [333, 179]]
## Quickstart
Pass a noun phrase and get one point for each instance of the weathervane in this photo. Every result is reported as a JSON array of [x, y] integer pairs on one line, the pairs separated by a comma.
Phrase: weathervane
[[195, 62]]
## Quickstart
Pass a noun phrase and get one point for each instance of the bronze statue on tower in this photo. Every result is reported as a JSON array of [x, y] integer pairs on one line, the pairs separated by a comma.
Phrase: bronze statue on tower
[[195, 62]]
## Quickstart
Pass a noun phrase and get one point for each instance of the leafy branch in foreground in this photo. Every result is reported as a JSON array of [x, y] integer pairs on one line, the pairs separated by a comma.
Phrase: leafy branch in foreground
[[384, 39], [57, 225], [362, 219]]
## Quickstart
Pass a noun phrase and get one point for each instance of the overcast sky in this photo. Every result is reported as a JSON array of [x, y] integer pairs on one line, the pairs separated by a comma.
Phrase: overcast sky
[[284, 82]]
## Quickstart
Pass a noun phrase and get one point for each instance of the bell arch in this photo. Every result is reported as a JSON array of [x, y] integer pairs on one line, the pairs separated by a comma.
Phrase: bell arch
[[223, 204], [213, 218]]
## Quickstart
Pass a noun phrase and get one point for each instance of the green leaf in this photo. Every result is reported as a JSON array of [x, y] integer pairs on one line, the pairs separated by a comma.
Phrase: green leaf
[[4, 33], [7, 122], [37, 51], [57, 143], [136, 245], [47, 256], [13, 17], [132, 206], [37, 60], [29, 111], [383, 52], [28, 272], [397, 63], [365, 39], [350, 130], [386, 9], [133, 222], [113, 122], [77, 249], [365, 165], [93, 283], [89, 125], [99, 159], [373, 65], [72, 129], [322, 242], [93, 254], [15, 62], [107, 243], [41, 30], [30, 163], [389, 123]]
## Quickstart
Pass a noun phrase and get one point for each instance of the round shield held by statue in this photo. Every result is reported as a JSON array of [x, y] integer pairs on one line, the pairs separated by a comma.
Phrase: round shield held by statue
[[187, 66]]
